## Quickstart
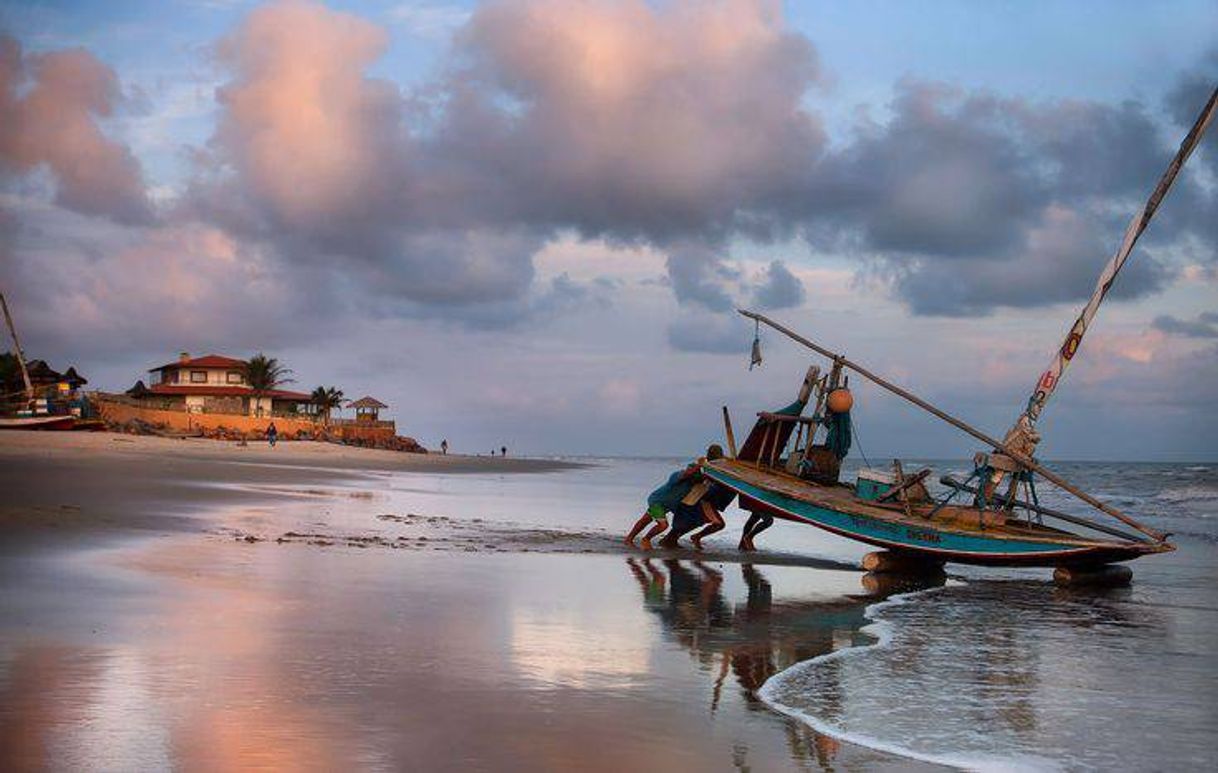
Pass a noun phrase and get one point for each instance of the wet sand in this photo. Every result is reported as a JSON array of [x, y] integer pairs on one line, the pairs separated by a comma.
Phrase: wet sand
[[166, 605], [97, 482]]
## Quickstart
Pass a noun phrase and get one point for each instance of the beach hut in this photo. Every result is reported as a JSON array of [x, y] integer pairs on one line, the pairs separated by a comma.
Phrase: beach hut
[[367, 409]]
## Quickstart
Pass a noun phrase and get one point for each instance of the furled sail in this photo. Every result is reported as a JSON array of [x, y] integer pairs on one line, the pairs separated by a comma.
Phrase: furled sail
[[1023, 437]]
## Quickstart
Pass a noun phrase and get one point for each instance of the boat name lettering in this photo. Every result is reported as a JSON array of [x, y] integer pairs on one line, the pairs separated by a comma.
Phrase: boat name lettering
[[923, 535]]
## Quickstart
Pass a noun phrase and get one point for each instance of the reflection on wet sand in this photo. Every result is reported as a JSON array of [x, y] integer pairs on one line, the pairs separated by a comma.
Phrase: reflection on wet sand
[[238, 657], [756, 638]]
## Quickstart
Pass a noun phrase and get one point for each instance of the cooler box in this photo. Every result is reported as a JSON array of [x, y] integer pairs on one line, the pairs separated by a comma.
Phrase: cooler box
[[874, 483]]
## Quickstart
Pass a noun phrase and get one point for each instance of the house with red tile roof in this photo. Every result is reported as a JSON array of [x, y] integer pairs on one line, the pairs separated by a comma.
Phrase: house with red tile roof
[[212, 384]]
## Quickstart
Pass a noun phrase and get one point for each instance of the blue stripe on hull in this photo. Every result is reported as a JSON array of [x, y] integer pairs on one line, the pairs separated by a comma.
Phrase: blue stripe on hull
[[895, 535]]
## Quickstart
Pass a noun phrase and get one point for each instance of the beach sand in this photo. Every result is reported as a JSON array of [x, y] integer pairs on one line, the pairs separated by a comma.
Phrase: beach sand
[[195, 604]]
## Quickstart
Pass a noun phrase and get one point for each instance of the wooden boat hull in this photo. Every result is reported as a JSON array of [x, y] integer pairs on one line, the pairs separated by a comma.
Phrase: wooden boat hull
[[989, 547], [38, 422]]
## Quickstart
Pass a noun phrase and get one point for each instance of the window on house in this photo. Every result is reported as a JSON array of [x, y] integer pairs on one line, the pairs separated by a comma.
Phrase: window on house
[[198, 377], [233, 377]]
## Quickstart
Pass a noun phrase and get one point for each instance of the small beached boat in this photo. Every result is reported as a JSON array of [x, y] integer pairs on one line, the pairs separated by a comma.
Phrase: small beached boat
[[38, 422], [789, 466]]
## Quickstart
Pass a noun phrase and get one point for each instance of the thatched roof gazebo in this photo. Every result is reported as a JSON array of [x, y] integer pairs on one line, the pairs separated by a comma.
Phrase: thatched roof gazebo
[[367, 409]]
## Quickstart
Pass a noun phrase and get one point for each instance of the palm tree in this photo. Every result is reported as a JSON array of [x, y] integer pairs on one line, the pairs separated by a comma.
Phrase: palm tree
[[264, 374], [325, 400]]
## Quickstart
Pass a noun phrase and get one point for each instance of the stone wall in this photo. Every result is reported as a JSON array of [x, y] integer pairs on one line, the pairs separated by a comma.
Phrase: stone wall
[[365, 433], [182, 421]]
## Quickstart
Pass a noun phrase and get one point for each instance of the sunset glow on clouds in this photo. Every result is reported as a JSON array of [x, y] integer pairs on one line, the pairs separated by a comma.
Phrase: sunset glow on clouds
[[556, 213]]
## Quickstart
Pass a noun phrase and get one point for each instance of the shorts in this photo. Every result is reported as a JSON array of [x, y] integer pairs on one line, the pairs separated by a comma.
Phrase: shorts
[[657, 512]]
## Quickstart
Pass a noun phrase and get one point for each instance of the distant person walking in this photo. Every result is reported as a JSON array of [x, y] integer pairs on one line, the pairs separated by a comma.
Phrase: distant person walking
[[272, 434], [444, 446], [503, 450]]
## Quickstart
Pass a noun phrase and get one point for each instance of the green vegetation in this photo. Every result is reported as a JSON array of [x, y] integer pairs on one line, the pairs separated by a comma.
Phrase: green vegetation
[[326, 399], [265, 374]]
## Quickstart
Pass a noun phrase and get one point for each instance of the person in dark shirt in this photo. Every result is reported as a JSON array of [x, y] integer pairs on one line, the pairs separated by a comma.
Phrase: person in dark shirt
[[706, 513], [660, 502]]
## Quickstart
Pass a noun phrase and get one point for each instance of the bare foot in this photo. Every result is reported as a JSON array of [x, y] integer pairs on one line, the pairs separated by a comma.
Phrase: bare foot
[[697, 543], [645, 544], [629, 541]]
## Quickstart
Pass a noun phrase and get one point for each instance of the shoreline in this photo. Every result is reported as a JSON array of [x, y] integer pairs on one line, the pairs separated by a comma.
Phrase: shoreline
[[71, 486], [287, 453]]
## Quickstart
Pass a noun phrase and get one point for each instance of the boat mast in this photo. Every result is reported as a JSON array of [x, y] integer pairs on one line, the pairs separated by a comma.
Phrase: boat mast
[[25, 374], [1023, 434], [1027, 461]]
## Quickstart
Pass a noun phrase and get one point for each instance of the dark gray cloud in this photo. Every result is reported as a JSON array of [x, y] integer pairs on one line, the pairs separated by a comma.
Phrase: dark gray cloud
[[1204, 326], [968, 202], [1059, 262], [709, 289], [699, 276], [779, 288]]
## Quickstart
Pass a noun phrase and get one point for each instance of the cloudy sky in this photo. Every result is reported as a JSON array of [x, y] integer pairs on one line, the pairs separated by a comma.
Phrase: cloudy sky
[[528, 223]]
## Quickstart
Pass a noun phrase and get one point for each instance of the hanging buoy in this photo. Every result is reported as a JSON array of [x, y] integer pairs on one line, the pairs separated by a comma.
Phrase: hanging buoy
[[755, 358], [840, 400]]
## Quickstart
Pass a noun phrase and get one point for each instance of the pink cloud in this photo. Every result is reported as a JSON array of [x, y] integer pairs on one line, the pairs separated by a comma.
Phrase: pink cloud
[[669, 116], [310, 135], [50, 103]]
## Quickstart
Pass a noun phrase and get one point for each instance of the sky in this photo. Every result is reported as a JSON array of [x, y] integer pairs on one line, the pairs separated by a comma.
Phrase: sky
[[529, 223]]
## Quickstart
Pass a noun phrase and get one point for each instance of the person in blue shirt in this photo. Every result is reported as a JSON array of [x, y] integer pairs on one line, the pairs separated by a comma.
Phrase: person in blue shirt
[[667, 499]]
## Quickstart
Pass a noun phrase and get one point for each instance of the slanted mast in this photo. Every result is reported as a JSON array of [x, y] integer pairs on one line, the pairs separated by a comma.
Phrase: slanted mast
[[1023, 436]]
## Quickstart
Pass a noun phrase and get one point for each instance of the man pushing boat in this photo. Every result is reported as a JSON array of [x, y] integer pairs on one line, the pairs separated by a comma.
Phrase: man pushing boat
[[667, 499]]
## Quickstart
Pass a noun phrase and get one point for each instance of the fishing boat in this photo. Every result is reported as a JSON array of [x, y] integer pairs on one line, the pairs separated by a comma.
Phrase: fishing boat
[[38, 422], [789, 465], [31, 412]]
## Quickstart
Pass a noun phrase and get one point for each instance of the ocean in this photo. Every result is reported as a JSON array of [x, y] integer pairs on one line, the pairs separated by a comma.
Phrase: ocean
[[998, 669], [423, 620]]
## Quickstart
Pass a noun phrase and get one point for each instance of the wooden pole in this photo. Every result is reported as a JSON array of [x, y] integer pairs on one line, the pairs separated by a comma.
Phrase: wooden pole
[[951, 482], [25, 374], [997, 445], [727, 429]]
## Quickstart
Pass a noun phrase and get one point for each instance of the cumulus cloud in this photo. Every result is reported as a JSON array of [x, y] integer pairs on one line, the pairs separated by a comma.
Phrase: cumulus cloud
[[676, 127], [969, 202], [50, 104], [316, 144], [631, 120], [163, 288]]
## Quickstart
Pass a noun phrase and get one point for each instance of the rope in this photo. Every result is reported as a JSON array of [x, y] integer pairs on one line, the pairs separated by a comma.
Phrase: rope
[[854, 431]]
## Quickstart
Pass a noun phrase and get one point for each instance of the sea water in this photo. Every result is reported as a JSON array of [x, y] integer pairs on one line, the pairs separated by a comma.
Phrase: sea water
[[1002, 670], [1008, 671]]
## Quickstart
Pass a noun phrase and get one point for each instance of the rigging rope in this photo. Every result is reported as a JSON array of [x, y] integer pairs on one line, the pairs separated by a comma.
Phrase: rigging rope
[[854, 432]]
